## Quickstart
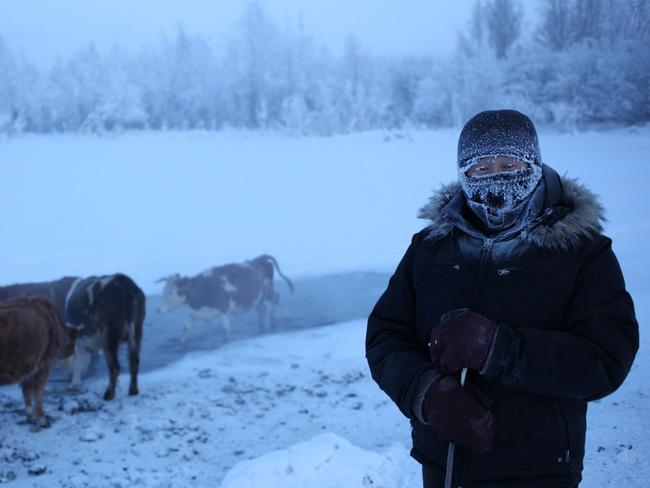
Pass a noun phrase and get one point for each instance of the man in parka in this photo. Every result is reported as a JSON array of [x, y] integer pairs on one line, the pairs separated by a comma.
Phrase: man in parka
[[540, 317]]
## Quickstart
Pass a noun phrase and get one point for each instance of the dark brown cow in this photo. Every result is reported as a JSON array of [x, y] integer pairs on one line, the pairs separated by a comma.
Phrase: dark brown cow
[[32, 336], [54, 290], [222, 290], [109, 310]]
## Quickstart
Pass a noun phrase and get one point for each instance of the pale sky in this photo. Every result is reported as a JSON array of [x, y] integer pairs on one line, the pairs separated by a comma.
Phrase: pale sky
[[45, 29]]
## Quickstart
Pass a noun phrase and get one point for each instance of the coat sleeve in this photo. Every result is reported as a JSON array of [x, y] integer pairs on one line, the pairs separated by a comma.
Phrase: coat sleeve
[[590, 355], [396, 360]]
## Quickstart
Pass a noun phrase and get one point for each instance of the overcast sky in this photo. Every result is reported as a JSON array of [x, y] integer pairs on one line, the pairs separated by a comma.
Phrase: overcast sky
[[45, 29]]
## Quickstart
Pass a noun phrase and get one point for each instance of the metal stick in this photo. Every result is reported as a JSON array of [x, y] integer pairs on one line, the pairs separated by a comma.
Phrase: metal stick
[[452, 447]]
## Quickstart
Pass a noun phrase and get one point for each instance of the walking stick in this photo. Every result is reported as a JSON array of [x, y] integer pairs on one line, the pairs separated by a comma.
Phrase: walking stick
[[449, 474]]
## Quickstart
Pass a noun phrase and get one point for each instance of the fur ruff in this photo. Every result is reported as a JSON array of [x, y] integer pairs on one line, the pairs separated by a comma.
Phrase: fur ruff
[[584, 219]]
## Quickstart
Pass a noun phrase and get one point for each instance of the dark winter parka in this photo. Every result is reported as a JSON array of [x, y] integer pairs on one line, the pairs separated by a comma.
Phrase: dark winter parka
[[567, 330]]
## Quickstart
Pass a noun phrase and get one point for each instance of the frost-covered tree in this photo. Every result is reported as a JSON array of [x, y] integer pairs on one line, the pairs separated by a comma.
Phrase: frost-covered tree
[[119, 105], [588, 62], [503, 19], [404, 78], [18, 82], [353, 89], [588, 20], [554, 30], [8, 112], [251, 59], [188, 82]]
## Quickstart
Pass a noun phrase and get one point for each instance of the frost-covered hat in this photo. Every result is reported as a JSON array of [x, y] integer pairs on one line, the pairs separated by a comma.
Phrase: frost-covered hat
[[498, 133]]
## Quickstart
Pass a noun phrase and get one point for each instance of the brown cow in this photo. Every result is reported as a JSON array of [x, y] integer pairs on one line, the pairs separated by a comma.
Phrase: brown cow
[[32, 336]]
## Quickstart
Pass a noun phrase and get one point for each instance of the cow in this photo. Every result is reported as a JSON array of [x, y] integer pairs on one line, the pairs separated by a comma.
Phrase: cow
[[32, 336], [219, 291], [54, 290], [109, 310]]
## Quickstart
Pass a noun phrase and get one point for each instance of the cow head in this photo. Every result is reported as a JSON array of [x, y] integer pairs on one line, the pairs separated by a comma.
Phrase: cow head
[[71, 338], [172, 297]]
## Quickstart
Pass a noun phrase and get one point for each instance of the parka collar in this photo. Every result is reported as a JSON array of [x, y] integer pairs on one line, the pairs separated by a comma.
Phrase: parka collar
[[571, 212]]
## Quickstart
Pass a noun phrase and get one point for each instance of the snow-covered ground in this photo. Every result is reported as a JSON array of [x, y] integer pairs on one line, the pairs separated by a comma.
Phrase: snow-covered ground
[[196, 419], [211, 411], [296, 408]]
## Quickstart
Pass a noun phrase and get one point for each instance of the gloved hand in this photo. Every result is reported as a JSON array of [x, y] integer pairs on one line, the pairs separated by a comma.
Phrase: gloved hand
[[455, 414], [463, 341]]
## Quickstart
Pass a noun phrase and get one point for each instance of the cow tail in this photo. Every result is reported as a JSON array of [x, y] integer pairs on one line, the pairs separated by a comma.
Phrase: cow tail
[[277, 267], [137, 315]]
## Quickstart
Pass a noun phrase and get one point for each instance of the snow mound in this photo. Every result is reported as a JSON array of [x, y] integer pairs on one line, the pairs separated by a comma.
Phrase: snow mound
[[325, 461]]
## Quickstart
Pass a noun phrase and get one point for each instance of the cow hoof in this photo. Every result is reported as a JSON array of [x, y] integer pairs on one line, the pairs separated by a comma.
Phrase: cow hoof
[[40, 423], [44, 422], [109, 395], [133, 390]]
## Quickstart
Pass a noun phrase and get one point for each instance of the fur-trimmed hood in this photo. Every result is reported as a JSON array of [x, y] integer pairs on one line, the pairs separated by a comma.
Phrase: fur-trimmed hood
[[572, 212]]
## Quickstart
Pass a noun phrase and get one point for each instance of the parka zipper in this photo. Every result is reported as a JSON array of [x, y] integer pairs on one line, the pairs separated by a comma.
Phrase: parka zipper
[[486, 248], [507, 271], [485, 251], [476, 289]]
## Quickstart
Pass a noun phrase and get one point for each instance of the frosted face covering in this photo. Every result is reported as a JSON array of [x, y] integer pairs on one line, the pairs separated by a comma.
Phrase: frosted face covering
[[497, 198]]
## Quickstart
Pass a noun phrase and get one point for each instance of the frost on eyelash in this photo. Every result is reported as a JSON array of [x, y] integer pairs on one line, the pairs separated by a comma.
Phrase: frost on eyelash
[[467, 165]]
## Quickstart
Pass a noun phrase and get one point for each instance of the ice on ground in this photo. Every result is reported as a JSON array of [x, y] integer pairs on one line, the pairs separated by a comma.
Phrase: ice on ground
[[326, 461], [151, 204]]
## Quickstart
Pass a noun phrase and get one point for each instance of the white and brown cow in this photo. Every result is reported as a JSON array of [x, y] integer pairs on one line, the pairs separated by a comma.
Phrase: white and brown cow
[[32, 336], [219, 291], [109, 310]]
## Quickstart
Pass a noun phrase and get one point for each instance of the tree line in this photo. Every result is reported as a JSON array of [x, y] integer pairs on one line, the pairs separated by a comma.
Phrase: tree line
[[580, 62]]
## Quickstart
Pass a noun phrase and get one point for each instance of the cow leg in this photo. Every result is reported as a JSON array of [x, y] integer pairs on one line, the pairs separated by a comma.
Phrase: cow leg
[[186, 329], [34, 388], [225, 323], [109, 346], [38, 383], [275, 298], [81, 360], [263, 316], [26, 387], [134, 358], [272, 298]]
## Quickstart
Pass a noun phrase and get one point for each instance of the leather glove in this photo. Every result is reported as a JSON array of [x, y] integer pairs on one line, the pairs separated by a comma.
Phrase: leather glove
[[463, 341], [455, 414]]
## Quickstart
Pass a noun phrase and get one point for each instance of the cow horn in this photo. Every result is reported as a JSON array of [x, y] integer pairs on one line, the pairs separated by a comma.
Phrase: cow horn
[[162, 280], [73, 326]]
